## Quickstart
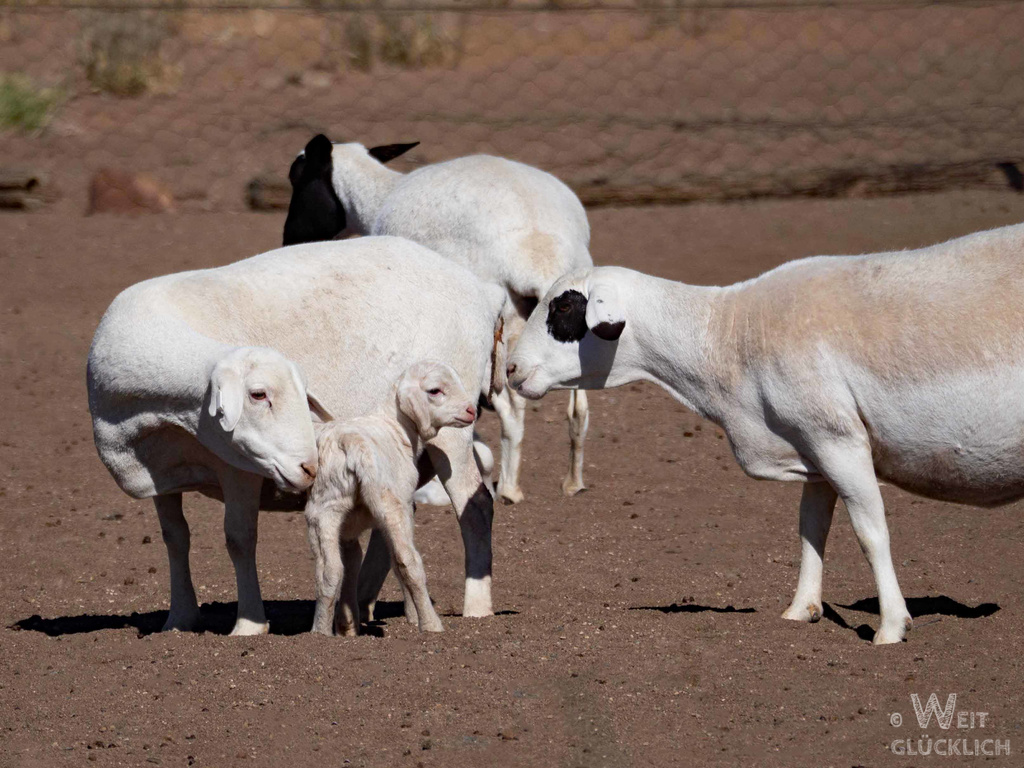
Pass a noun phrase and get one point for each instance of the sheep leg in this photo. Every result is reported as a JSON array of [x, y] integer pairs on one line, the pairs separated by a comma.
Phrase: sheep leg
[[816, 507], [323, 526], [850, 471], [394, 519], [452, 455], [241, 519], [184, 613], [579, 419], [373, 573], [511, 409], [346, 616]]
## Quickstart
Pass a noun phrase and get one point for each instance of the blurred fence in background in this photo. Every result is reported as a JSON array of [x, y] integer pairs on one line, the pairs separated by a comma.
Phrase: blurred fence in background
[[646, 100]]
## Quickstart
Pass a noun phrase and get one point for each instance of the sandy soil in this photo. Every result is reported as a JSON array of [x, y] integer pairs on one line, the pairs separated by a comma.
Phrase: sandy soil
[[638, 622]]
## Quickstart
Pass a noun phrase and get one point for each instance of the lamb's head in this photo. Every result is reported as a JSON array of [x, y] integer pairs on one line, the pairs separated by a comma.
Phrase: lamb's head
[[432, 396], [258, 399], [572, 338], [316, 212]]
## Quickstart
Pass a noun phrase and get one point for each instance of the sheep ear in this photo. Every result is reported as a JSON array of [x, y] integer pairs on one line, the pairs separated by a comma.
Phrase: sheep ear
[[387, 152], [605, 317], [318, 409], [412, 401], [295, 172], [499, 358], [226, 397], [318, 150]]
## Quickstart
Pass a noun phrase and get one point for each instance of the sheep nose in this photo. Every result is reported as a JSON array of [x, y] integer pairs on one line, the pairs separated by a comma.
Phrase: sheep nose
[[471, 411], [510, 369], [310, 469]]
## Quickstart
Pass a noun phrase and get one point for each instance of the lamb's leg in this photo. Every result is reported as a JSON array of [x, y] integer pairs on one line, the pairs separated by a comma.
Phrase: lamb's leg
[[816, 507], [511, 409], [241, 518], [184, 613], [323, 527], [579, 420], [452, 455], [394, 519], [346, 617], [373, 574], [848, 467], [409, 605]]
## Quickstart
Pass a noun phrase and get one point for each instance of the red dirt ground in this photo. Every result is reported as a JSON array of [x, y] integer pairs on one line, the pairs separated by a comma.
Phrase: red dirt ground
[[639, 622]]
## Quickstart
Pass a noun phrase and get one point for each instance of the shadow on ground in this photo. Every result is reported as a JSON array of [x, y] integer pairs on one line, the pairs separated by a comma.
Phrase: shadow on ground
[[691, 608], [286, 617], [918, 607]]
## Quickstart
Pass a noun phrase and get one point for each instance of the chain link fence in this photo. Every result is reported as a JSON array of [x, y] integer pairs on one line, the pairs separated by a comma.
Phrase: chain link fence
[[643, 101]]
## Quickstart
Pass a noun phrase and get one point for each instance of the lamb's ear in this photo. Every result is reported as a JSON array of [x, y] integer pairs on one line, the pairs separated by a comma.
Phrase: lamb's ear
[[317, 408], [605, 317], [387, 152], [226, 396], [412, 401]]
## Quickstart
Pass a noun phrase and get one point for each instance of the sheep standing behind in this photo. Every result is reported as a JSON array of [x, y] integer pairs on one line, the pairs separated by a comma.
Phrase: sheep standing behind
[[366, 478], [508, 223]]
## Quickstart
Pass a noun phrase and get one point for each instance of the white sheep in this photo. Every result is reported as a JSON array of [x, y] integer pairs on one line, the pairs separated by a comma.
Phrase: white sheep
[[831, 371], [353, 315], [508, 223], [366, 478]]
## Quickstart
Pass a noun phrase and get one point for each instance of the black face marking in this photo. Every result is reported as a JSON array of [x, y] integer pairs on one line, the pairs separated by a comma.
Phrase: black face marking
[[315, 212], [567, 316], [390, 151]]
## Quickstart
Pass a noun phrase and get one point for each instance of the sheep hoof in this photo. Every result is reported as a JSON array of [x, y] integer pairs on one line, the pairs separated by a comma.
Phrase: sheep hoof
[[510, 495], [570, 486], [432, 626], [187, 622], [247, 627], [808, 613], [893, 633]]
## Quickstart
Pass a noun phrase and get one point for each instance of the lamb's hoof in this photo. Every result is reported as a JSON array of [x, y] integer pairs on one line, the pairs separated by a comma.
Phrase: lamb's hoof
[[412, 617], [366, 612], [808, 613], [893, 633], [510, 495], [570, 486], [432, 626], [187, 622], [247, 628], [347, 630]]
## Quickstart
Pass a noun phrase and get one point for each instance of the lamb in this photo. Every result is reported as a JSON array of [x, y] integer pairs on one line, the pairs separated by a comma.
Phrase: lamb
[[367, 476], [836, 372], [353, 315], [508, 223]]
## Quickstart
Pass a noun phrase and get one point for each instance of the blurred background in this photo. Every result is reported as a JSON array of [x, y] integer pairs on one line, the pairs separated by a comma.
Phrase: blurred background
[[631, 102]]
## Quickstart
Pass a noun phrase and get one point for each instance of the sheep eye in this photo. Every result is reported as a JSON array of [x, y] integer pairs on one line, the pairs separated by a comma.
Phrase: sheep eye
[[562, 308], [258, 394], [434, 391]]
